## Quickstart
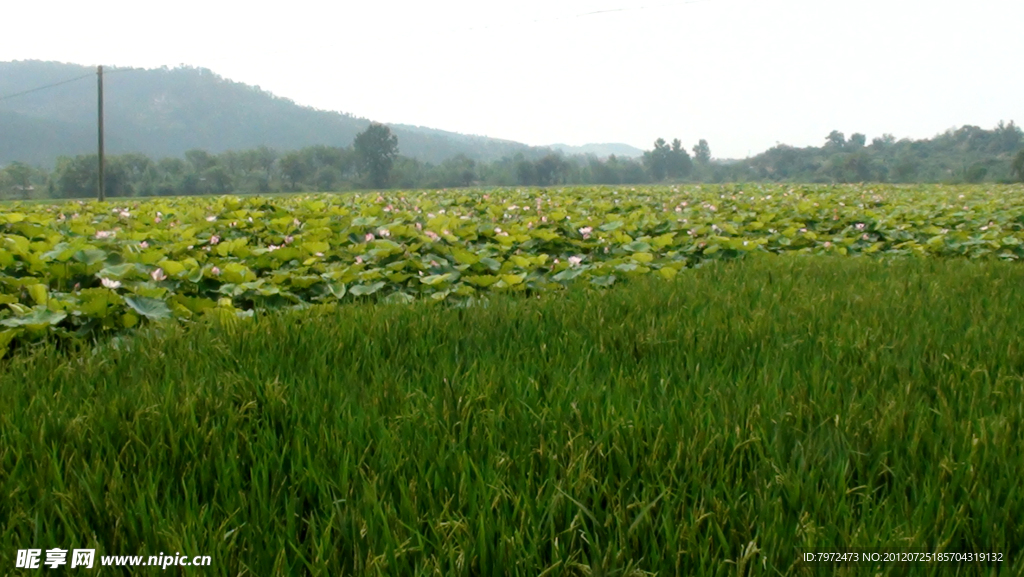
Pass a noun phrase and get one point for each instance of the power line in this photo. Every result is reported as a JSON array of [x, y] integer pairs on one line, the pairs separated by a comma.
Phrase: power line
[[2, 98]]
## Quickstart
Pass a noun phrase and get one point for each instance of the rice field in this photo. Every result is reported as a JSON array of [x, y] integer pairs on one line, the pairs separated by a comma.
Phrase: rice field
[[713, 423]]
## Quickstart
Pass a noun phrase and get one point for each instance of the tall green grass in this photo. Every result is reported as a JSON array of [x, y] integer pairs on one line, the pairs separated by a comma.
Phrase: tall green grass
[[707, 426]]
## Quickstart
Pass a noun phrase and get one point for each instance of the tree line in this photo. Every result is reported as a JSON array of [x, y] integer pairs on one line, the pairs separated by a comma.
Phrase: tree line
[[968, 154]]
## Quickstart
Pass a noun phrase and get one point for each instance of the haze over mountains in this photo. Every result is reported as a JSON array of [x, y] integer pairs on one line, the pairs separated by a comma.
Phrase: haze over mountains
[[164, 112]]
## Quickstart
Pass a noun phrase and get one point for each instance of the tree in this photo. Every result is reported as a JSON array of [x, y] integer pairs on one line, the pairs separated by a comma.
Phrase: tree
[[199, 160], [679, 163], [376, 149], [550, 170], [526, 173], [17, 178], [1017, 166], [857, 140], [295, 168], [835, 139], [885, 141], [657, 160], [702, 152]]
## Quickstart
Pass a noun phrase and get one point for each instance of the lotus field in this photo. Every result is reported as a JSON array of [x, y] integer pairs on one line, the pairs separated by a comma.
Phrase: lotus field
[[83, 268]]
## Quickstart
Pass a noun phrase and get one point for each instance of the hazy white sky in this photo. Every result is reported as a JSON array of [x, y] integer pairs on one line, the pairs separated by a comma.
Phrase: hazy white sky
[[743, 74]]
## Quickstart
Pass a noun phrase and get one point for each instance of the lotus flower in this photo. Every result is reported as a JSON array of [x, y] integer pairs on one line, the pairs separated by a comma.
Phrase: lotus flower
[[215, 271], [369, 237], [214, 239], [158, 275], [211, 218], [575, 260], [110, 284], [104, 234]]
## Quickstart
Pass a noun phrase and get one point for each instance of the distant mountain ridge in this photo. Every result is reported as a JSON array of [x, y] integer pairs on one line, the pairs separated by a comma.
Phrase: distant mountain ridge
[[164, 112]]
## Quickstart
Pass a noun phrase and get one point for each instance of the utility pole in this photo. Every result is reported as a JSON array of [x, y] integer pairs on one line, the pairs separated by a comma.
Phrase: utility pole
[[99, 85]]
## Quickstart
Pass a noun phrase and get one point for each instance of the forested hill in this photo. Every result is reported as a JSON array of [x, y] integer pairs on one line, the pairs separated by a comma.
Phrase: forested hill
[[165, 112]]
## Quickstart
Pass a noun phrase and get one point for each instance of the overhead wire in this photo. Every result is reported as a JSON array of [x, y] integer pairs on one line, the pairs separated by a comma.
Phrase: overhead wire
[[38, 88]]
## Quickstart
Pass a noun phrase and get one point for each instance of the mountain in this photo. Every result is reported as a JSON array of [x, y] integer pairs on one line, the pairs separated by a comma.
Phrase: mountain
[[164, 112], [600, 150]]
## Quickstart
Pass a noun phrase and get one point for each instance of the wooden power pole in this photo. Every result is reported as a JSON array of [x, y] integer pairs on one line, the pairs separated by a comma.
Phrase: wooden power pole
[[101, 193]]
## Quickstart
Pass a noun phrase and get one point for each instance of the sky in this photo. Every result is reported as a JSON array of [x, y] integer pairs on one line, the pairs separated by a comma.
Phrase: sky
[[745, 75]]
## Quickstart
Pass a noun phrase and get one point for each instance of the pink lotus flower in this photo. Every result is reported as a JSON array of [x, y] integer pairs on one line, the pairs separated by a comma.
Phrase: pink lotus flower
[[432, 235], [214, 239], [272, 248], [104, 234], [864, 237], [143, 244], [369, 236], [860, 226], [585, 231], [575, 260], [157, 220], [384, 232], [110, 284], [419, 226], [288, 239], [359, 260], [215, 271], [158, 275], [828, 244], [296, 222]]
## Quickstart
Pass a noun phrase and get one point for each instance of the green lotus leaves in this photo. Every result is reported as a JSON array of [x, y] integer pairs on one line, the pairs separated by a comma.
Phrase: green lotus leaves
[[363, 290], [150, 308], [179, 258], [37, 319], [39, 293]]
